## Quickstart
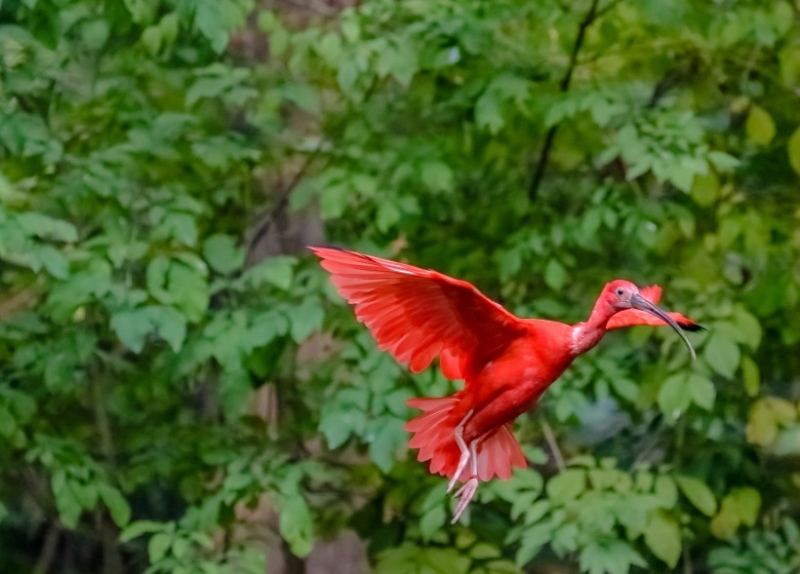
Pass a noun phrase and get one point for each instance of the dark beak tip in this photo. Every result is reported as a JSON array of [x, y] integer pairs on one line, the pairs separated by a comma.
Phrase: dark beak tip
[[639, 302]]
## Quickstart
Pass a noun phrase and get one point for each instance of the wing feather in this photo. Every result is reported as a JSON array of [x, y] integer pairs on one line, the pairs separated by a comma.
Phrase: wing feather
[[419, 314]]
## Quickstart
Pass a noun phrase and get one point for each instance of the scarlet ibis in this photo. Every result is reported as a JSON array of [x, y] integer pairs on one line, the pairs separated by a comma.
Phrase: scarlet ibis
[[506, 362]]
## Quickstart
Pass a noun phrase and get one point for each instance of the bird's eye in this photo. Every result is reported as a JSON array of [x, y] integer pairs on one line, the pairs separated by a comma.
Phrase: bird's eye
[[620, 292]]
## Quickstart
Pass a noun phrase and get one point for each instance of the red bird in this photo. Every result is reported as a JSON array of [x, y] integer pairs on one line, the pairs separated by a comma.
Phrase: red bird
[[506, 362]]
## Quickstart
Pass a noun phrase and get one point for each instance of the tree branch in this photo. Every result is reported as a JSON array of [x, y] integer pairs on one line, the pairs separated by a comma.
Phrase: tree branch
[[47, 554], [544, 156], [550, 437], [282, 200]]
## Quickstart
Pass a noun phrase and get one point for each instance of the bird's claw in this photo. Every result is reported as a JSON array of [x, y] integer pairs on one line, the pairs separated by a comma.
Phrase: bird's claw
[[451, 484], [466, 493]]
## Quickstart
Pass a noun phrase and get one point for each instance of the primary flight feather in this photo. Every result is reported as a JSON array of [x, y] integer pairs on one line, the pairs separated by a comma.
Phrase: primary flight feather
[[506, 362]]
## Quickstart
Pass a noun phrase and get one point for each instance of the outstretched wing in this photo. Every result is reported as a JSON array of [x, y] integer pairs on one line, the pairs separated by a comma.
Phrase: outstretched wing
[[419, 314], [632, 317]]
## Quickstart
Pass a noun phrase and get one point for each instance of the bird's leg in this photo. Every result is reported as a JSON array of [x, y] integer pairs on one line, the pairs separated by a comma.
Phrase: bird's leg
[[465, 453], [467, 492]]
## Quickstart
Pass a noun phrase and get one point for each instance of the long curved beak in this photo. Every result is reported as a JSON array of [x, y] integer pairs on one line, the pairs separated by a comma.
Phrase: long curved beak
[[639, 302]]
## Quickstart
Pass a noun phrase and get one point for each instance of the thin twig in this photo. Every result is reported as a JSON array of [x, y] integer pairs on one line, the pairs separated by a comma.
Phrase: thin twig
[[687, 561], [544, 157], [283, 197], [550, 437], [282, 200], [47, 554]]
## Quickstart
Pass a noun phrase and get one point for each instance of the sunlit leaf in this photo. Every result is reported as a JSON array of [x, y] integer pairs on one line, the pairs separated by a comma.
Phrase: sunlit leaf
[[760, 125], [793, 149], [739, 507], [705, 189], [663, 538], [751, 376]]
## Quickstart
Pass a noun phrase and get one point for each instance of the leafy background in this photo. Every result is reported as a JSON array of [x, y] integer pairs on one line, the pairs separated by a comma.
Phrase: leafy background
[[180, 388]]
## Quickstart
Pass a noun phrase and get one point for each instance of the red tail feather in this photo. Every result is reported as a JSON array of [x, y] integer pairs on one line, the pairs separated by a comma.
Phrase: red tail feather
[[434, 437]]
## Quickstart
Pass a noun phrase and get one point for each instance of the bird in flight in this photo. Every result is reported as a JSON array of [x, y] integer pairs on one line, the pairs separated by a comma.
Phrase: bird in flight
[[506, 362]]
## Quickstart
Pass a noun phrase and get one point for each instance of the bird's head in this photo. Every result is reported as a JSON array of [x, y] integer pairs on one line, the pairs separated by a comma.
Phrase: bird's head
[[620, 295]]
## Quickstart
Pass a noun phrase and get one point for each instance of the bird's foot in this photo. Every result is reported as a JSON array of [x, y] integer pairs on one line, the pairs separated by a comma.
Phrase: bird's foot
[[451, 483], [466, 493]]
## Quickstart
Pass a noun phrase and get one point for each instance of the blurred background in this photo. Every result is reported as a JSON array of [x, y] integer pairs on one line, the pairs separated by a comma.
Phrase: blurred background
[[182, 391]]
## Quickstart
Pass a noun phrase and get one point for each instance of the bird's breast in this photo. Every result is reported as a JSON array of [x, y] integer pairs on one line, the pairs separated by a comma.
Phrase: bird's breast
[[511, 383]]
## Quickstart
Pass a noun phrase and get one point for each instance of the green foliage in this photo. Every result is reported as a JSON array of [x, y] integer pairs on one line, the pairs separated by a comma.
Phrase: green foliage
[[166, 376], [761, 551]]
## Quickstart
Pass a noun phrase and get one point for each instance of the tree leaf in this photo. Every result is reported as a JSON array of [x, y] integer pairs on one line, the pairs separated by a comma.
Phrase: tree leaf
[[740, 506], [117, 505], [788, 442], [222, 253], [674, 396], [760, 126], [432, 522], [698, 493], [705, 188], [722, 354], [567, 485], [702, 391], [389, 437], [266, 327], [277, 271], [489, 112], [67, 503], [766, 416], [53, 260], [663, 538], [747, 328], [339, 422], [666, 491], [793, 150], [750, 376], [159, 545], [609, 557], [436, 175], [555, 275], [189, 290], [157, 279], [303, 95], [305, 319], [215, 19], [138, 528], [722, 161], [388, 214], [132, 327], [334, 199], [169, 324], [47, 227], [295, 523]]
